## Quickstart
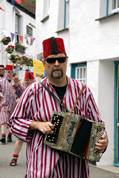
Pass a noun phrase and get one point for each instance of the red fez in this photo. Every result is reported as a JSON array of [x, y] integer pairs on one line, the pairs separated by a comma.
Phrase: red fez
[[9, 67], [53, 46], [29, 75], [26, 77]]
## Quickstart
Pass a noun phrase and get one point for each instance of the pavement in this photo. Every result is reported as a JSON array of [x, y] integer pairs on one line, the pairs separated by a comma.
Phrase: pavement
[[104, 172], [18, 171], [7, 171]]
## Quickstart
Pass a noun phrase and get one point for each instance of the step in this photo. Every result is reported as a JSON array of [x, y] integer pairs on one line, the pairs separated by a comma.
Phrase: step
[[104, 171]]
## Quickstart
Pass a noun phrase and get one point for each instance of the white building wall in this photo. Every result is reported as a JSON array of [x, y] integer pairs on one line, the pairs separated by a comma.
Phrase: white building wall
[[100, 79], [90, 39], [93, 77], [106, 105]]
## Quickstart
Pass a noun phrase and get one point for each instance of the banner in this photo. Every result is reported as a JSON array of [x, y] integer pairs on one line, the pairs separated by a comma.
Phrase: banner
[[38, 68], [15, 37]]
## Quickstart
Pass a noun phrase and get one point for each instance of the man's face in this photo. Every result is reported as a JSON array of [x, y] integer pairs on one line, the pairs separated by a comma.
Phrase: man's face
[[2, 71], [55, 66]]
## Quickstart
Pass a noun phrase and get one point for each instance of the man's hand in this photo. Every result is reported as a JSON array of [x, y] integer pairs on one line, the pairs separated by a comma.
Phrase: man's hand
[[102, 143], [44, 127]]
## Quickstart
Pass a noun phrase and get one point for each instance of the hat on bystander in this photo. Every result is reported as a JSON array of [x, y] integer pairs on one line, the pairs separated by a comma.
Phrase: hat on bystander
[[9, 67], [28, 75]]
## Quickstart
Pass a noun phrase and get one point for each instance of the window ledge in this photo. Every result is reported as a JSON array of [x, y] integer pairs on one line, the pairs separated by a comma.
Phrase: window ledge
[[62, 30], [45, 18], [105, 17]]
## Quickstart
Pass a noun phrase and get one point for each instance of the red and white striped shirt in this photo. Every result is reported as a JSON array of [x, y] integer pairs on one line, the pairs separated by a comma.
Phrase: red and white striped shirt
[[37, 104], [9, 100]]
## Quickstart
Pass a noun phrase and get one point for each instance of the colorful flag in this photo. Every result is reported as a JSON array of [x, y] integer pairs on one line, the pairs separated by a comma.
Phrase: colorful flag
[[21, 38]]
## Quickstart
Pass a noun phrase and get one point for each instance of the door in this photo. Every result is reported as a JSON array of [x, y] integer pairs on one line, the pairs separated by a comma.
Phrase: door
[[116, 116]]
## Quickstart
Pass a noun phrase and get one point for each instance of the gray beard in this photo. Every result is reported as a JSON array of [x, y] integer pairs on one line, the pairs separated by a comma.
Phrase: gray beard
[[57, 74]]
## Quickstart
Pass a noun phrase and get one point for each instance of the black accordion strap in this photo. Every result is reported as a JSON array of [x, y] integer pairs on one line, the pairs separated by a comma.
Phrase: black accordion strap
[[59, 101], [80, 93], [55, 97]]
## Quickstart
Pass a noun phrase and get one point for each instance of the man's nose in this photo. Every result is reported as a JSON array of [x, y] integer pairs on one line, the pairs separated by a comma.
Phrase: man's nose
[[56, 62]]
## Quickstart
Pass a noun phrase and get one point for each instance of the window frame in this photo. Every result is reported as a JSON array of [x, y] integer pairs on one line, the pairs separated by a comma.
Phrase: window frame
[[18, 23], [46, 7], [63, 15], [29, 28], [66, 14], [82, 76], [115, 6], [75, 66], [107, 9]]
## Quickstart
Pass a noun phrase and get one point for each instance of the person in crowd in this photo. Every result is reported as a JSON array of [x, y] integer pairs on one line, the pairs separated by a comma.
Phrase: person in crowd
[[9, 75], [17, 86], [19, 89], [9, 72], [3, 115], [31, 119], [28, 78], [10, 102]]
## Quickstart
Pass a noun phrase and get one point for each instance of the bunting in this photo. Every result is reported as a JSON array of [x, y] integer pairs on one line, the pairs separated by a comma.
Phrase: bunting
[[29, 40], [18, 38]]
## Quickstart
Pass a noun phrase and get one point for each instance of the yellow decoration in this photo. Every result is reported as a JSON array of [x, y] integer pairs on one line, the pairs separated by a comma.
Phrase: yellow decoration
[[38, 68]]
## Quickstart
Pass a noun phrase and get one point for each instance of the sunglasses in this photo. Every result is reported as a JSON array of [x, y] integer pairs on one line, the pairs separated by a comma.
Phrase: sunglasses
[[53, 60]]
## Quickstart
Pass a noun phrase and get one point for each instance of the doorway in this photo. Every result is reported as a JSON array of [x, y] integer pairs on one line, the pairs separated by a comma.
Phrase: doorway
[[116, 115]]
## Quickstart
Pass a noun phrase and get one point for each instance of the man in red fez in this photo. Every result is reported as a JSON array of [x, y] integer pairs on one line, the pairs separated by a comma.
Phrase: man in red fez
[[28, 78], [2, 70], [9, 98], [55, 93], [9, 72]]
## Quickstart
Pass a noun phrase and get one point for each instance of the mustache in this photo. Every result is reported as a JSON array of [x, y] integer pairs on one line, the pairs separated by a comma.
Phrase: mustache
[[58, 69]]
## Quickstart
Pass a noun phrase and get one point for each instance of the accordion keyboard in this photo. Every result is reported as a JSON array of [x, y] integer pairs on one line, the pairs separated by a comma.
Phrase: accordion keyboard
[[57, 122]]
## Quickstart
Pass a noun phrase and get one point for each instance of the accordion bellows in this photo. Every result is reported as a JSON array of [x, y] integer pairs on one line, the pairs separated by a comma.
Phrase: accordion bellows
[[75, 135]]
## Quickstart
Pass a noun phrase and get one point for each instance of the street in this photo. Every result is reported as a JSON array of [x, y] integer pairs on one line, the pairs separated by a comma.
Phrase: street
[[7, 171], [18, 171]]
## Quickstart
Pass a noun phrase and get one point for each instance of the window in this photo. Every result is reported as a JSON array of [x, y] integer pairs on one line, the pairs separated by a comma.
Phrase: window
[[63, 15], [79, 71], [29, 30], [18, 24], [115, 4], [108, 7], [66, 16], [46, 6]]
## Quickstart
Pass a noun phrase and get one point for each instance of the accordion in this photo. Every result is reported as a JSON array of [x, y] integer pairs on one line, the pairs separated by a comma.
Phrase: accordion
[[75, 135]]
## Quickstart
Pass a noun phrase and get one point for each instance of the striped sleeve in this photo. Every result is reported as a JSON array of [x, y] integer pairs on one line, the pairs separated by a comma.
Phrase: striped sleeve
[[20, 119]]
